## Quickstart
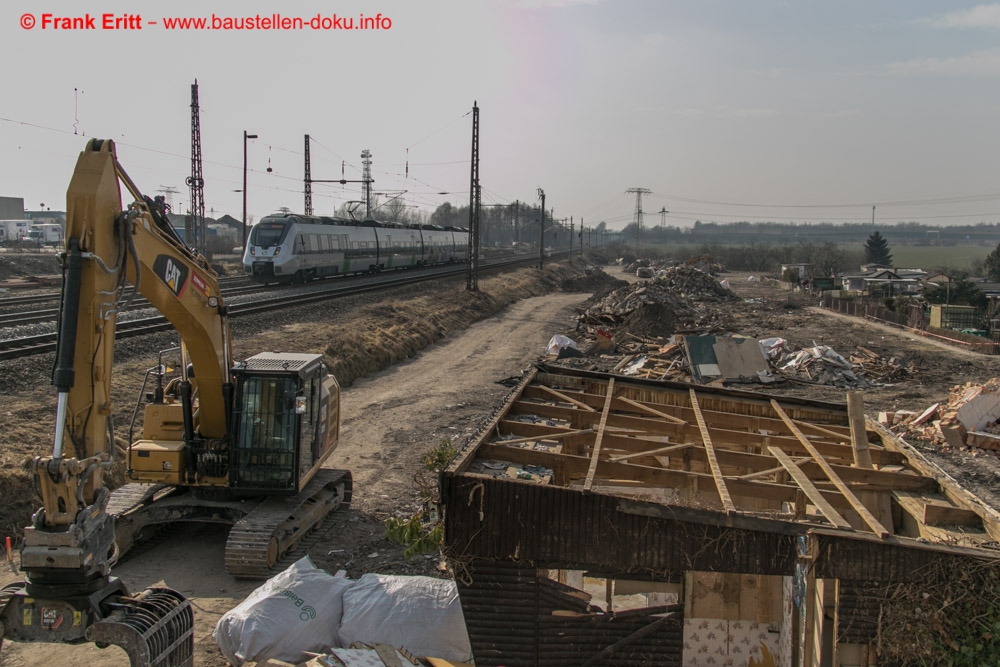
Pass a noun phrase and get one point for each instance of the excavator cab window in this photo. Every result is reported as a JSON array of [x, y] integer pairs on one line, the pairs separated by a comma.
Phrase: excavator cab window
[[267, 434]]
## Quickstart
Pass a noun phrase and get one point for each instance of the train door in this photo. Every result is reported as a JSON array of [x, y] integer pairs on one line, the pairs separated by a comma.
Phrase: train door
[[388, 251]]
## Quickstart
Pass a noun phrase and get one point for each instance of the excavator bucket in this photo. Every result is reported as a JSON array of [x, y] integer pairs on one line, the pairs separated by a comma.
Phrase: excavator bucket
[[155, 628]]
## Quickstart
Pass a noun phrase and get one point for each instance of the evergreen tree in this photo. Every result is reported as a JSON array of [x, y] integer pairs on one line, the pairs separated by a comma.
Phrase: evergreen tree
[[991, 265], [877, 250]]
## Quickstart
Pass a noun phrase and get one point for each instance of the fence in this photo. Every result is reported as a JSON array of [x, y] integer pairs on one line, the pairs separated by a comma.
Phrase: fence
[[913, 320]]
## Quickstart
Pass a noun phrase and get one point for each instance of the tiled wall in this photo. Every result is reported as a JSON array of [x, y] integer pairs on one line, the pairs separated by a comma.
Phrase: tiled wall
[[715, 643]]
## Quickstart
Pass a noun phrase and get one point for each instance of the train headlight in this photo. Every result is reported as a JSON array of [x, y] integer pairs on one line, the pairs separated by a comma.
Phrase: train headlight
[[277, 251], [253, 251]]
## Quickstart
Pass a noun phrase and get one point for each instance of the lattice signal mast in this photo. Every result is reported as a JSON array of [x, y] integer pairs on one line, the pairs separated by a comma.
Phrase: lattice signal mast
[[195, 231], [638, 192], [307, 183], [475, 201], [366, 175]]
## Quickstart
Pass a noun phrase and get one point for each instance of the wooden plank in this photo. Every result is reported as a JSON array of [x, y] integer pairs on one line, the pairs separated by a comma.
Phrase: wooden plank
[[855, 502], [859, 436], [915, 512], [836, 435], [946, 515], [565, 399], [652, 452], [713, 462], [595, 454], [651, 411], [814, 495], [569, 466], [720, 435], [548, 436], [955, 492], [761, 473], [461, 463]]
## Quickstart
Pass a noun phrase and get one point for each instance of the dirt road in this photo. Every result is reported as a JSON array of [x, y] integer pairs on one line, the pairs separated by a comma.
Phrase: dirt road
[[388, 421]]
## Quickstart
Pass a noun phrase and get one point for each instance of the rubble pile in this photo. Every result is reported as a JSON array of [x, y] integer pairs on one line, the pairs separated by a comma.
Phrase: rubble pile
[[695, 284], [821, 364], [703, 263], [616, 306], [669, 298], [970, 418]]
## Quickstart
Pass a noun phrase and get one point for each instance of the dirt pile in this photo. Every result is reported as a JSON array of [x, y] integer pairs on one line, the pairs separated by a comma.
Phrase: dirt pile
[[594, 281], [26, 265]]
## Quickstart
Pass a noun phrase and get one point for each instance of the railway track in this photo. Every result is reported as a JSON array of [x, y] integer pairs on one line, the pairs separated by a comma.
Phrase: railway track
[[52, 296], [45, 343]]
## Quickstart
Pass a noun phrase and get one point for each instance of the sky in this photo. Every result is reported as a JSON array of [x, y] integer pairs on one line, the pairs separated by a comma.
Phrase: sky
[[725, 110]]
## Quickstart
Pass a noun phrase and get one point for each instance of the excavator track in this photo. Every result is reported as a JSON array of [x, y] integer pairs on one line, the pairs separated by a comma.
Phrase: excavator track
[[279, 525]]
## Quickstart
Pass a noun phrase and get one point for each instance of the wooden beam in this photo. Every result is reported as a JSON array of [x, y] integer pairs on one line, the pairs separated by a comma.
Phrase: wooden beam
[[570, 465], [814, 495], [761, 473], [461, 463], [595, 454], [946, 515], [713, 462], [566, 399], [855, 502], [548, 436], [837, 435], [720, 436], [648, 410], [652, 452], [955, 492], [859, 435]]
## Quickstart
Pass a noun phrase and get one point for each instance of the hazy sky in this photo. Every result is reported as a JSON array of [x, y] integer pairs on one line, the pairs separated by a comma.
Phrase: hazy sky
[[726, 110]]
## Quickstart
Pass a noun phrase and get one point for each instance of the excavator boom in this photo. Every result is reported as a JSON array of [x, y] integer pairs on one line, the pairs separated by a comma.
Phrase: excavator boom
[[69, 594]]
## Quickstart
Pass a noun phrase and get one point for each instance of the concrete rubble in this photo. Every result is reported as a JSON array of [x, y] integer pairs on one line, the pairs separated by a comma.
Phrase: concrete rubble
[[970, 418]]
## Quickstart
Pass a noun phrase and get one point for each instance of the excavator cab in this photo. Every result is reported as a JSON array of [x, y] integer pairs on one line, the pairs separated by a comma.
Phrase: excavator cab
[[284, 418]]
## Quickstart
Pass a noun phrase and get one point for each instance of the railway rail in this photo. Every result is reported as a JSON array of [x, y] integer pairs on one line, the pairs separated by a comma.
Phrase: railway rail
[[15, 348]]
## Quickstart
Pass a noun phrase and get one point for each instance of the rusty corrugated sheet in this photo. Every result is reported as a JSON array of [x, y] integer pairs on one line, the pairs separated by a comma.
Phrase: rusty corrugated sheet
[[509, 612], [570, 529], [858, 607]]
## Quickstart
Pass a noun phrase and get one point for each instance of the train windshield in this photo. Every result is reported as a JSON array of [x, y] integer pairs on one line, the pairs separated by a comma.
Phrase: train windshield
[[267, 234]]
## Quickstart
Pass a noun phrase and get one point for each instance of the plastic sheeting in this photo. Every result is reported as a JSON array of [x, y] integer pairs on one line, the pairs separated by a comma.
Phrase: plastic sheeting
[[420, 614], [297, 610], [558, 342]]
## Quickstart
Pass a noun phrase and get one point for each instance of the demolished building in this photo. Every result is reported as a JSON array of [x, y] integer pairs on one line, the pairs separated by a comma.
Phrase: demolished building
[[602, 520]]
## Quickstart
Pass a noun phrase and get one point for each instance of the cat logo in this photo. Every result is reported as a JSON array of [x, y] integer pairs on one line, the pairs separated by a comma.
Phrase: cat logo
[[173, 274]]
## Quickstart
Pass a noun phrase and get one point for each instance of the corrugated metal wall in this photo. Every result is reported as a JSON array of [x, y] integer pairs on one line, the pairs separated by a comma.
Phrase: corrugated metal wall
[[571, 529], [508, 608]]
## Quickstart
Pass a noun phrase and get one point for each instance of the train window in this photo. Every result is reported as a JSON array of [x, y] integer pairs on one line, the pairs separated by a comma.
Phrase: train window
[[267, 235]]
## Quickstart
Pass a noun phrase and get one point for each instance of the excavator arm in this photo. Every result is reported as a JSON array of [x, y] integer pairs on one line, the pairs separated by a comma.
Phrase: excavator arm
[[110, 253]]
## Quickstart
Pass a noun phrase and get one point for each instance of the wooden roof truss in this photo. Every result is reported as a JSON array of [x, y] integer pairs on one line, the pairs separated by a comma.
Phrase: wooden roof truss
[[732, 452]]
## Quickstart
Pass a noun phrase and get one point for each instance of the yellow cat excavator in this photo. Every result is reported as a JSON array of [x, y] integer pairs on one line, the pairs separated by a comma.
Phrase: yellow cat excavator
[[242, 443]]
